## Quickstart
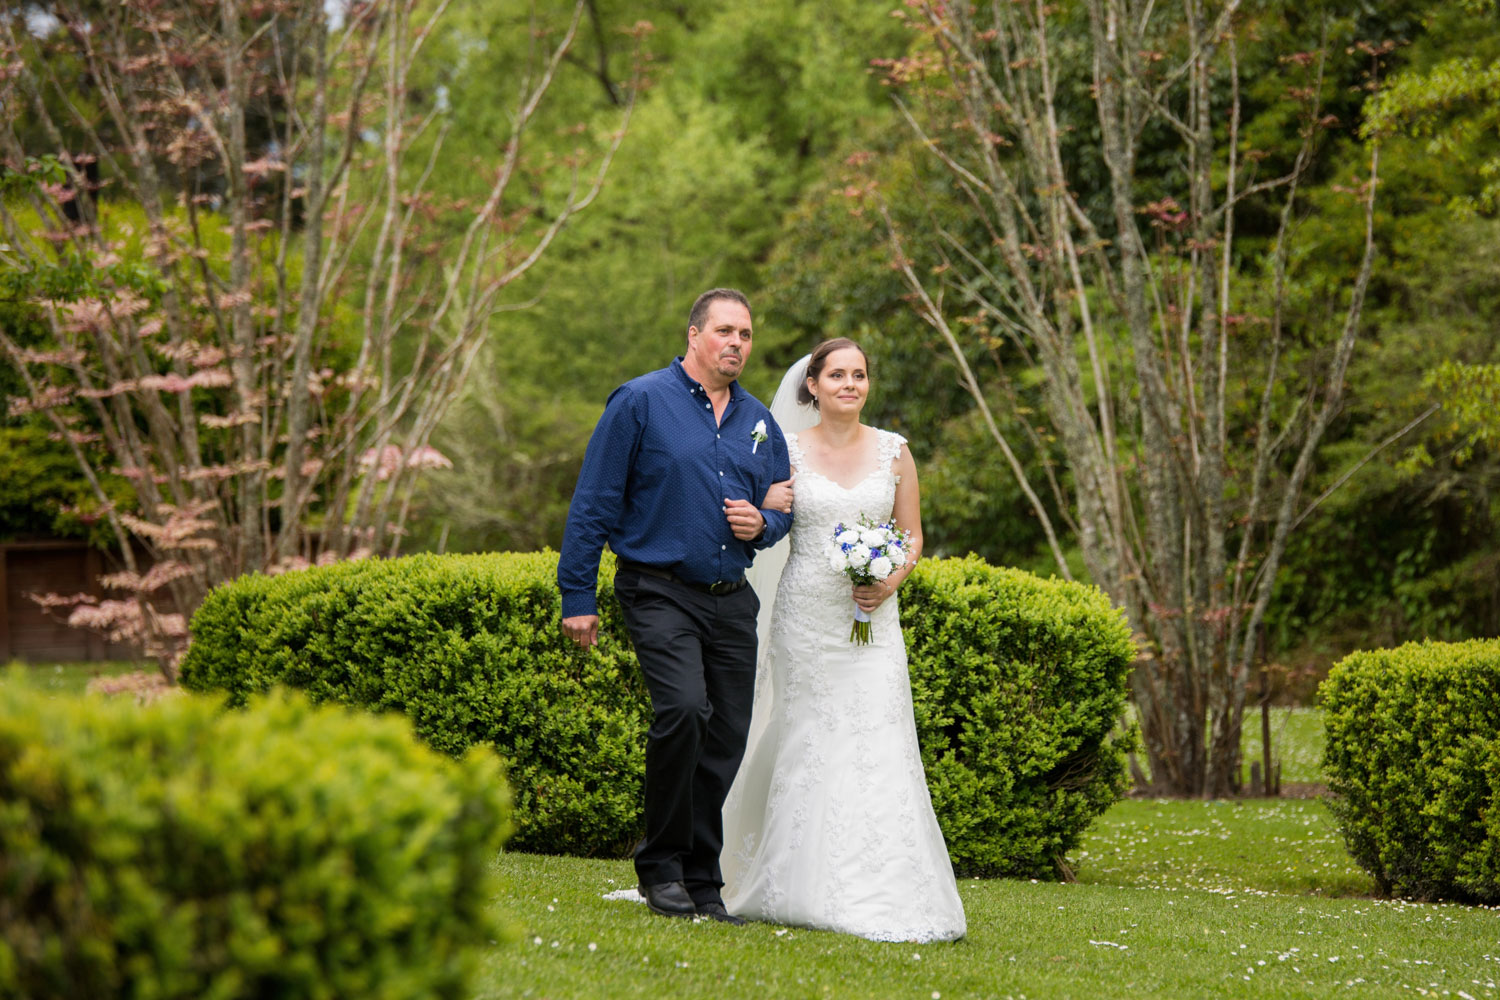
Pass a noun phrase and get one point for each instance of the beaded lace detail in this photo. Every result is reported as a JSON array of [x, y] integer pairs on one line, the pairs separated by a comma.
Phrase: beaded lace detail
[[829, 823]]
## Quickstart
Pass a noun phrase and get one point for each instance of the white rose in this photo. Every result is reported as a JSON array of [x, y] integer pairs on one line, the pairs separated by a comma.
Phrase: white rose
[[872, 536], [881, 568], [859, 555], [896, 556], [837, 561], [847, 537]]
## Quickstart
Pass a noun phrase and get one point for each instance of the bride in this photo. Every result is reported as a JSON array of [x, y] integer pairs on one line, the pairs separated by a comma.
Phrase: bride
[[829, 823]]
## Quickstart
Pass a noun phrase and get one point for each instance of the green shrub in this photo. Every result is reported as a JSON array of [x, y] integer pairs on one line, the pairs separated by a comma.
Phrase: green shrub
[[178, 851], [1017, 683], [1413, 762], [468, 647]]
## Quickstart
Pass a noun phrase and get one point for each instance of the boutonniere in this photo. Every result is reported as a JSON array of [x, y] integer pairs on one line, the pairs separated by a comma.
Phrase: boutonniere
[[758, 435]]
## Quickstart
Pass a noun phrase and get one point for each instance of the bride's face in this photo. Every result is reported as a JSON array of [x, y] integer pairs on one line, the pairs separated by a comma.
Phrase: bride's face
[[843, 384]]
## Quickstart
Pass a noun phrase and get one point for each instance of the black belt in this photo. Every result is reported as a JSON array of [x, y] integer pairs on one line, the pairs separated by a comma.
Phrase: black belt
[[717, 589]]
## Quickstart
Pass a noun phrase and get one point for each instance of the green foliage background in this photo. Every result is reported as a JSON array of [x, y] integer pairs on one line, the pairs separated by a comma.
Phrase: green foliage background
[[741, 167], [744, 173]]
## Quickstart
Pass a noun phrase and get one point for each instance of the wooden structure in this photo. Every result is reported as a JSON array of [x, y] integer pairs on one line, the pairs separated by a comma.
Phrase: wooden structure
[[30, 633]]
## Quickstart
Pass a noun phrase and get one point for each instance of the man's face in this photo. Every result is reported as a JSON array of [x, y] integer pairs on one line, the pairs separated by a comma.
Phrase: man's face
[[723, 345]]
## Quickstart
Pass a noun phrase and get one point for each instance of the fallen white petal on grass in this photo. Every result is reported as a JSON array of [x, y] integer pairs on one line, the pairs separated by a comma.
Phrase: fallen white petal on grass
[[1111, 944], [631, 895]]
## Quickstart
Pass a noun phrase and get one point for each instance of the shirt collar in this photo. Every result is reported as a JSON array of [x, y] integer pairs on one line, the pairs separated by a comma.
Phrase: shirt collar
[[692, 384]]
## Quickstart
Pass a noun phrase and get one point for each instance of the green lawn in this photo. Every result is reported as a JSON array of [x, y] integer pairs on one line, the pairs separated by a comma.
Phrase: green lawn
[[72, 678], [1173, 899], [1250, 845], [1296, 742], [1251, 898]]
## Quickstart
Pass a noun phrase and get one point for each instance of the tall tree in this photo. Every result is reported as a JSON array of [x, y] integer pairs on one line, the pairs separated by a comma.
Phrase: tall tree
[[1100, 145], [266, 311]]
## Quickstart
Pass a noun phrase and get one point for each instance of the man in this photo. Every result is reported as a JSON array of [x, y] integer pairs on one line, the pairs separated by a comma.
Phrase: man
[[668, 481]]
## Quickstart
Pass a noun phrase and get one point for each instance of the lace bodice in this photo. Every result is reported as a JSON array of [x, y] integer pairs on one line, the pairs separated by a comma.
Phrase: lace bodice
[[821, 503]]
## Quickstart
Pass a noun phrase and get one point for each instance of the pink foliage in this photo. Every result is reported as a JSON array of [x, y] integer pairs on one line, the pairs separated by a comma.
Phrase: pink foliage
[[181, 528], [228, 420], [49, 397], [155, 578], [58, 356], [118, 621], [388, 461], [209, 378]]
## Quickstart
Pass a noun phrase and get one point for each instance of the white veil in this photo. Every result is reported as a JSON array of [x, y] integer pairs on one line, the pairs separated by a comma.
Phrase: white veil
[[765, 573]]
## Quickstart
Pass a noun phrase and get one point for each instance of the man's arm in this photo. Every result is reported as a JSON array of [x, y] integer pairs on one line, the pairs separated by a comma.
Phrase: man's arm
[[778, 522], [597, 503]]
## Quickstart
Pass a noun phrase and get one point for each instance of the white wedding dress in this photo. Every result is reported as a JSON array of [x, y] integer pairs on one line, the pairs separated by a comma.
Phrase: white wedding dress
[[829, 823]]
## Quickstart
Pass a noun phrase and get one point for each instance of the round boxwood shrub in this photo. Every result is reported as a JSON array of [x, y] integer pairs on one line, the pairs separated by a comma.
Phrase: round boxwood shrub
[[1018, 683], [177, 850], [470, 649], [1412, 754]]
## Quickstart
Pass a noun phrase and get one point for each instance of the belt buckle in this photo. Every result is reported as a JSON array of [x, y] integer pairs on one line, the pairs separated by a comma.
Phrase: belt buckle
[[718, 588]]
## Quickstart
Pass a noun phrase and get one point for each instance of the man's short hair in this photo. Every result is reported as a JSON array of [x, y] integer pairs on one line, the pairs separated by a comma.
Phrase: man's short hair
[[699, 313]]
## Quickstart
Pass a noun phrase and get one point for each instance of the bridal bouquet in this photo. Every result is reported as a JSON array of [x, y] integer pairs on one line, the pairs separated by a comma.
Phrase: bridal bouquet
[[867, 552]]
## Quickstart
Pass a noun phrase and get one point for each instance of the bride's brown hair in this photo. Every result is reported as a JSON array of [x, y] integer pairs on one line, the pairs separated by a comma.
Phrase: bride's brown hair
[[819, 359]]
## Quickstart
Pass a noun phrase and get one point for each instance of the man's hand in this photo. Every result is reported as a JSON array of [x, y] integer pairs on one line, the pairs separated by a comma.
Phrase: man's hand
[[779, 496], [582, 629], [745, 519]]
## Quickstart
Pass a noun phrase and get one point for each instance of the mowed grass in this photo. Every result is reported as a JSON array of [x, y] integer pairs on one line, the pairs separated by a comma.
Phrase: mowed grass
[[1222, 847], [1296, 742], [1249, 898], [72, 677], [1034, 940]]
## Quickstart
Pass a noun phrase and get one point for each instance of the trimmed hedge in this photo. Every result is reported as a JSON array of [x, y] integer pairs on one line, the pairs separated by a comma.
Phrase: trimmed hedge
[[1018, 683], [178, 851], [1413, 761], [468, 647]]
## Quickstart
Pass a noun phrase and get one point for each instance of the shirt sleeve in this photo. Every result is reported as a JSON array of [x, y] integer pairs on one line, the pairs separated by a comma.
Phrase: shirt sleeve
[[777, 523], [598, 501]]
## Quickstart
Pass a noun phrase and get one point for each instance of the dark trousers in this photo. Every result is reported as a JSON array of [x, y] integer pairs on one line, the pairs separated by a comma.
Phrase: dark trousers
[[697, 653]]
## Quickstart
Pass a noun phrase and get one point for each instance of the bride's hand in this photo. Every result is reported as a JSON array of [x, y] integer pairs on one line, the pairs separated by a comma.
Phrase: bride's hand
[[779, 496], [870, 596]]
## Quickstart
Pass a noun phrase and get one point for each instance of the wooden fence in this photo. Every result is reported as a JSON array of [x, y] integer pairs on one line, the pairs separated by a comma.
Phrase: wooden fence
[[31, 633]]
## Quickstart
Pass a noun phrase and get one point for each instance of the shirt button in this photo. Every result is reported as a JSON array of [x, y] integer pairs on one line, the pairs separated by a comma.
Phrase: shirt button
[[708, 406], [721, 472], [717, 436], [723, 548]]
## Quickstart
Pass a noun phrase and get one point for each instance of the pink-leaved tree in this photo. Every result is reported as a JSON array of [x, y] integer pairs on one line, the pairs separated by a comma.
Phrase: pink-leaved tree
[[256, 306]]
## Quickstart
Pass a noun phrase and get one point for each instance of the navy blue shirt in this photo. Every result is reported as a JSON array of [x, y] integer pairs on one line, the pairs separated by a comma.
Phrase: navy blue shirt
[[654, 481]]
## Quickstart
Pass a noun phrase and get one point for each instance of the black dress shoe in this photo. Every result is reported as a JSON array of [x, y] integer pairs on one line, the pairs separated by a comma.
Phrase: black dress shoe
[[670, 899], [716, 911]]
